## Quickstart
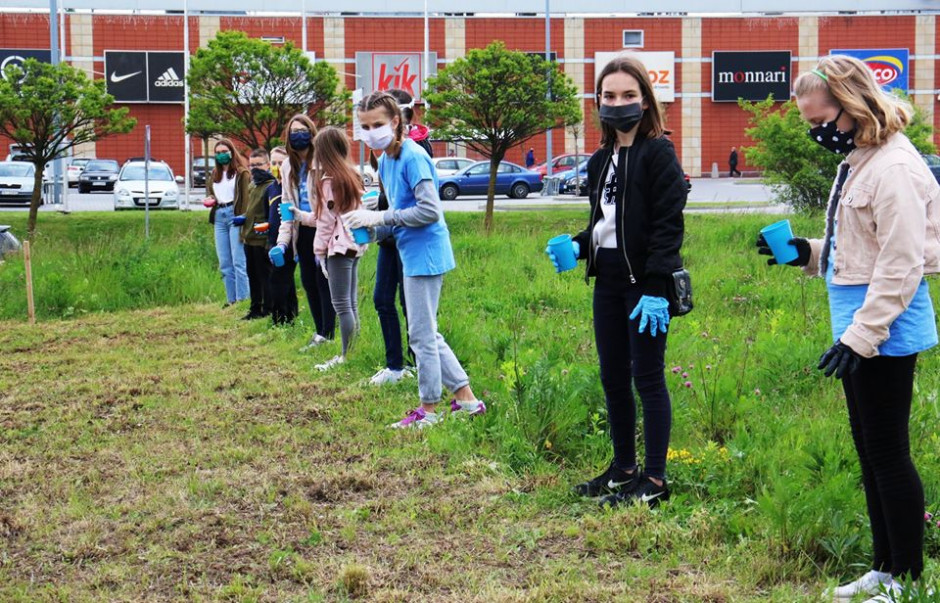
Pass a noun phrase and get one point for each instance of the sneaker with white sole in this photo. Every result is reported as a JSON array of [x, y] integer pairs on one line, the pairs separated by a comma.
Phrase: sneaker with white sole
[[890, 592], [869, 584], [316, 340], [473, 408], [388, 375], [332, 362], [418, 419]]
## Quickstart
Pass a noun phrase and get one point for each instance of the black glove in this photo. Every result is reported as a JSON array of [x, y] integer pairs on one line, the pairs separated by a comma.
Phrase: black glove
[[839, 359], [802, 250]]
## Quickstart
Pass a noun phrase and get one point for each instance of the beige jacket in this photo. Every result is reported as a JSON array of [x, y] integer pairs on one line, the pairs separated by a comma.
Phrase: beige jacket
[[287, 232], [888, 236]]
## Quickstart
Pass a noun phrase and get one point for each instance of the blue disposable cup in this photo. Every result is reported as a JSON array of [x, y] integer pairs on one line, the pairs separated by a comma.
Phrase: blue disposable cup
[[778, 236], [277, 256], [360, 235], [564, 252], [286, 214]]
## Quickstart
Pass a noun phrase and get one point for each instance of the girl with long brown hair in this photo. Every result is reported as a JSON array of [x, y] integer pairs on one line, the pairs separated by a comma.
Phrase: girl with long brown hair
[[228, 186]]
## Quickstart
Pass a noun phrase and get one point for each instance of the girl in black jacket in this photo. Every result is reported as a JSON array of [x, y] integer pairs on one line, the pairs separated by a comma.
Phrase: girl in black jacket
[[637, 194]]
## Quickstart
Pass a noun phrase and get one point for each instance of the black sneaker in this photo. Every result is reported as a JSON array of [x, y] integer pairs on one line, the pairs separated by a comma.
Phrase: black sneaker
[[646, 491], [614, 480]]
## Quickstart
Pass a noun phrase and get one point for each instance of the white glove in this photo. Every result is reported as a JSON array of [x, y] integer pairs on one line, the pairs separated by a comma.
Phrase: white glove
[[321, 262], [363, 218]]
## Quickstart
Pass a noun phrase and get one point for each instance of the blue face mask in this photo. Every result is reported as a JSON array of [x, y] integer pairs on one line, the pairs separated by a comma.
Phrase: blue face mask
[[300, 140]]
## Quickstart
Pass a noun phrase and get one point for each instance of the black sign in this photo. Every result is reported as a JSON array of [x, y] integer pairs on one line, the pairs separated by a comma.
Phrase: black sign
[[16, 56], [126, 74], [750, 75], [166, 72]]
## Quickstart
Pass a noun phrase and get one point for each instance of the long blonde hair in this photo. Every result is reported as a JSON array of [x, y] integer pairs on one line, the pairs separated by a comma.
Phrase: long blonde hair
[[850, 84]]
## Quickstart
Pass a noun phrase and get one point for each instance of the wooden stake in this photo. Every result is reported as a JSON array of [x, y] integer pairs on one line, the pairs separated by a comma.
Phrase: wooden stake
[[31, 308]]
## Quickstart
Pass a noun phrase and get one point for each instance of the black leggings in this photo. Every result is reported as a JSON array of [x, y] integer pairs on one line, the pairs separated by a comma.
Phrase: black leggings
[[629, 358], [879, 402], [315, 284]]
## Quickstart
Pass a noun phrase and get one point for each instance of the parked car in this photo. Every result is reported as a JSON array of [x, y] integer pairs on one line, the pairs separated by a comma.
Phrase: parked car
[[447, 166], [199, 170], [129, 188], [933, 162], [568, 181], [17, 179], [511, 179], [75, 169], [561, 163], [99, 175]]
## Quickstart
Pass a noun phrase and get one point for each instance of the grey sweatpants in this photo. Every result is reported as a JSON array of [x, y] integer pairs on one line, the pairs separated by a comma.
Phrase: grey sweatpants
[[344, 279], [437, 364]]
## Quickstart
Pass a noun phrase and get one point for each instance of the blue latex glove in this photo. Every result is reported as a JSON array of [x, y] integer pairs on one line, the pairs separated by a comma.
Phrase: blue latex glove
[[238, 220], [574, 245], [653, 311]]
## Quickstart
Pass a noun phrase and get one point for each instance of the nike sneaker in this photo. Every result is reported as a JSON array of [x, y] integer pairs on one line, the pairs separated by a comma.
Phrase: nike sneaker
[[869, 584], [612, 481], [646, 492]]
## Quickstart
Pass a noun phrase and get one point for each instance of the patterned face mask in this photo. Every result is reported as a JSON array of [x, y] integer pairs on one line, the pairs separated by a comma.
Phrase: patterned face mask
[[829, 137]]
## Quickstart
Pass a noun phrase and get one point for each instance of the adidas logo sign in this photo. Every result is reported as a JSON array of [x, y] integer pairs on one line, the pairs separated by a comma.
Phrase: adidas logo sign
[[169, 79]]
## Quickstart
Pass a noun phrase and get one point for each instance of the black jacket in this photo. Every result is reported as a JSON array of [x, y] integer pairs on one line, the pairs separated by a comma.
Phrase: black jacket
[[649, 212]]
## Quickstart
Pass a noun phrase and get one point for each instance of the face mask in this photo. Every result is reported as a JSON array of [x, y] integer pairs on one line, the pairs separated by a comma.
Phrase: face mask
[[223, 158], [379, 138], [829, 137], [276, 171], [300, 140], [259, 175], [622, 117]]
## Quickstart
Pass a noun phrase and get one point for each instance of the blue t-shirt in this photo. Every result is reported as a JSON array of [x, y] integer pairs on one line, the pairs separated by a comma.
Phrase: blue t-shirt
[[915, 330], [304, 195], [424, 250]]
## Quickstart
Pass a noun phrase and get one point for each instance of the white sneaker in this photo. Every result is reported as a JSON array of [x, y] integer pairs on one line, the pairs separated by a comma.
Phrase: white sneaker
[[388, 375], [332, 362], [316, 340], [869, 584], [889, 593]]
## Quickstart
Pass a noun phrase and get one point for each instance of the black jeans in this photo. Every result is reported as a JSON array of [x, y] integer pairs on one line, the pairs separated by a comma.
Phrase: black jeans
[[258, 266], [315, 284], [284, 291], [628, 358], [388, 282], [878, 395]]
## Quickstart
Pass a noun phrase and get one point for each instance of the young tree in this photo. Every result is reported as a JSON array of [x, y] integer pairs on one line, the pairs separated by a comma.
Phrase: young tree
[[247, 89], [48, 109], [495, 99]]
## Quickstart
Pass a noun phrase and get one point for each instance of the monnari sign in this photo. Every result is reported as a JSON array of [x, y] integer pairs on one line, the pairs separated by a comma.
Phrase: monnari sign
[[379, 71], [751, 76], [889, 65]]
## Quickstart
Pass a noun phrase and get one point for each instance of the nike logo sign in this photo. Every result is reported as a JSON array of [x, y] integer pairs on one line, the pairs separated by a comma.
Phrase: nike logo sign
[[612, 484], [115, 78], [649, 497]]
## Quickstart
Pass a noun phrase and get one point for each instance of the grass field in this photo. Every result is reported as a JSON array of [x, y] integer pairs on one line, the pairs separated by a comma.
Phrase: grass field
[[155, 448]]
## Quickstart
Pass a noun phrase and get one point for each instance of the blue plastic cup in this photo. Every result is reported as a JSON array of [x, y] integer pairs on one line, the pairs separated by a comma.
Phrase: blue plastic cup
[[277, 256], [286, 214], [564, 252], [360, 235], [778, 236]]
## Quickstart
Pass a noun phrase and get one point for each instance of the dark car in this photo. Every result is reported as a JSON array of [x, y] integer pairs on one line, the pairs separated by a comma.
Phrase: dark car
[[933, 162], [199, 170], [567, 181], [511, 179], [98, 175]]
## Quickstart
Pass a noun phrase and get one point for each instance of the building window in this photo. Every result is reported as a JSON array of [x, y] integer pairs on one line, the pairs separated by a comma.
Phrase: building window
[[633, 38]]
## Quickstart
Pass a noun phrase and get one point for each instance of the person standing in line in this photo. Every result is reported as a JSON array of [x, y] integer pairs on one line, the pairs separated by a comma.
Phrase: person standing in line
[[283, 287], [733, 163], [530, 158], [632, 248], [882, 236], [299, 189], [256, 256], [417, 219], [228, 187]]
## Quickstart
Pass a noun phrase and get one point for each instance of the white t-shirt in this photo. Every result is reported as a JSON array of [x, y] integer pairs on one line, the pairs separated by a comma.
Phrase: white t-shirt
[[224, 189], [605, 231]]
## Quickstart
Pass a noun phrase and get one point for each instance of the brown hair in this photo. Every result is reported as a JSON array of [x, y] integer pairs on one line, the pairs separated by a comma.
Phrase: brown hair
[[652, 124], [297, 157], [235, 166], [259, 152], [331, 152], [851, 85], [386, 101]]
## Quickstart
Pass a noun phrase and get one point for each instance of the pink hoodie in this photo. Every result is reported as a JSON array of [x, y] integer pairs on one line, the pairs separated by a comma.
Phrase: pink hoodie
[[333, 238]]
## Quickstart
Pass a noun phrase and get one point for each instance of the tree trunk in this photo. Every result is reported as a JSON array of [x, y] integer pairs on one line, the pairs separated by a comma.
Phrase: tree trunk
[[35, 202], [491, 192]]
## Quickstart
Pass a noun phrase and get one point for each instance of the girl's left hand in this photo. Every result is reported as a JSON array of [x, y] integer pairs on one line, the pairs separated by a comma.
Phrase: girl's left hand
[[653, 311]]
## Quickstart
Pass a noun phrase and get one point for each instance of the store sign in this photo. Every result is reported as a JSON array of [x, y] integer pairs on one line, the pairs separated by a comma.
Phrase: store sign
[[16, 56], [751, 75], [890, 65], [379, 71], [661, 67], [141, 76]]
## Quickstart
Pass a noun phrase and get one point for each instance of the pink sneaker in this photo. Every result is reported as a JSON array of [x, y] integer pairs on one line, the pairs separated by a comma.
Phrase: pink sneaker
[[477, 407], [417, 418]]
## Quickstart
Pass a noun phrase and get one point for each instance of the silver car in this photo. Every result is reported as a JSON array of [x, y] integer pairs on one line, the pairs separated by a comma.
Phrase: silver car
[[17, 179], [163, 190]]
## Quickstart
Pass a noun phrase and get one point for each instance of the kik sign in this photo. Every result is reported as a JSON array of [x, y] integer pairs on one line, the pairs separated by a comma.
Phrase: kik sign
[[890, 65], [377, 71]]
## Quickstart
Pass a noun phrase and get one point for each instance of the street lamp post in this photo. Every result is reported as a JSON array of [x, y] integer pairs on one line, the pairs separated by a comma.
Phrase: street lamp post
[[548, 93]]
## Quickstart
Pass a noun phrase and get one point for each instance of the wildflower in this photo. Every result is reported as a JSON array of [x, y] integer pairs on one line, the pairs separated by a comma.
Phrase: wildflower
[[928, 516], [676, 369], [708, 367], [691, 366], [687, 384], [685, 375], [756, 391]]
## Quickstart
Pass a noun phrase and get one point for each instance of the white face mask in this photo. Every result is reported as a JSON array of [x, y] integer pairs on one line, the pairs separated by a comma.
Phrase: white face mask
[[379, 138]]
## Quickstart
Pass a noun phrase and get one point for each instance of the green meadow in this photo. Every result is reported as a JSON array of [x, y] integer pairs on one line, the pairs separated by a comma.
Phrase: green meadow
[[153, 447]]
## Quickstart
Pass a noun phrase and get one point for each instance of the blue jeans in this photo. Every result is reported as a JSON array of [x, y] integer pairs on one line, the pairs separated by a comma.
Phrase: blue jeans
[[231, 254], [388, 281]]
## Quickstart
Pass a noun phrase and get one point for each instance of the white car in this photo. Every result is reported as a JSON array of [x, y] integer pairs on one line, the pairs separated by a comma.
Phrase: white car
[[17, 179], [164, 192], [447, 166], [75, 169]]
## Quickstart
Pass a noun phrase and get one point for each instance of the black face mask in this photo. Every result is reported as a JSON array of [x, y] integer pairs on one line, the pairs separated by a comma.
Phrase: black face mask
[[829, 137], [300, 140], [622, 117], [259, 176]]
